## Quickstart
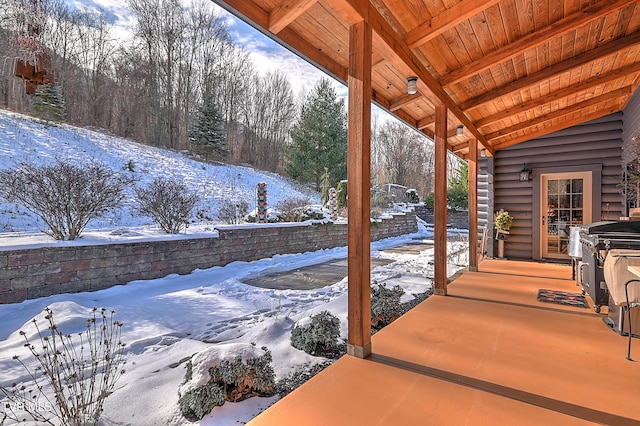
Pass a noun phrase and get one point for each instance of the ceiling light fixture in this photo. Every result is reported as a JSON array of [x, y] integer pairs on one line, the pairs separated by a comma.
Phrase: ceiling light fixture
[[412, 85]]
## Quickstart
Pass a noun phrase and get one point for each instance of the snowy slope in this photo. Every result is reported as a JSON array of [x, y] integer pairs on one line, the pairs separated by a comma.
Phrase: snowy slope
[[25, 140]]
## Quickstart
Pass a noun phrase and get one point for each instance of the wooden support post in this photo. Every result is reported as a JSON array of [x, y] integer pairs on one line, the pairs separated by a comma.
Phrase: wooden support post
[[359, 164], [473, 204], [440, 203]]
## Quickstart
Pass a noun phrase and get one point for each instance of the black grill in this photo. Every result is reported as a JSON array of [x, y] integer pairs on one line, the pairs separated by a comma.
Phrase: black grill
[[596, 240]]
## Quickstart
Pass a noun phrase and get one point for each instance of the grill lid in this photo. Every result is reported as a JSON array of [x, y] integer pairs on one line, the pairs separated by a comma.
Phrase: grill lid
[[609, 227]]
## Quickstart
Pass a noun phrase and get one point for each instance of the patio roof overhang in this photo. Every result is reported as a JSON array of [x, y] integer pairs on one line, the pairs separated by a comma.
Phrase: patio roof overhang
[[506, 70]]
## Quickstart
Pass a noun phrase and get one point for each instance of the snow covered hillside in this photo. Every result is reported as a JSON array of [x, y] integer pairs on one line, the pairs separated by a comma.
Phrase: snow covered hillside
[[24, 140]]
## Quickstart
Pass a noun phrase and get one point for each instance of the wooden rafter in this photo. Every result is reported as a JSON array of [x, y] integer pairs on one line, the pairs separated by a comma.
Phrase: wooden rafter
[[625, 91], [589, 84], [445, 21], [552, 71], [547, 130], [287, 12], [533, 40]]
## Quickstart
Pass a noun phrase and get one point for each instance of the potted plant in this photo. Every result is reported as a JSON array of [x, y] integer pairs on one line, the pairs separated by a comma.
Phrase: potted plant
[[502, 222]]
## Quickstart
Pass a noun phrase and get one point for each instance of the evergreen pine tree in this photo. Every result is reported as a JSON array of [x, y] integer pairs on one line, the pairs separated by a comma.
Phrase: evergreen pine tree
[[458, 190], [207, 134], [48, 103], [319, 138]]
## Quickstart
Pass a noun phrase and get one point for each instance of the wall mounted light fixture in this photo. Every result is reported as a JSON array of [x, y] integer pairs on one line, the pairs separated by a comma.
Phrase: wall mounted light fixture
[[460, 130], [525, 174], [483, 153], [412, 85]]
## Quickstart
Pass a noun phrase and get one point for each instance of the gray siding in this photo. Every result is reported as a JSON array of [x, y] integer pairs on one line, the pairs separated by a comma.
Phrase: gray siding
[[594, 146], [631, 124]]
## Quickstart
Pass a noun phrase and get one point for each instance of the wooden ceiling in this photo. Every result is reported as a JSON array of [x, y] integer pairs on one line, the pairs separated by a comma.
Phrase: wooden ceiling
[[507, 70]]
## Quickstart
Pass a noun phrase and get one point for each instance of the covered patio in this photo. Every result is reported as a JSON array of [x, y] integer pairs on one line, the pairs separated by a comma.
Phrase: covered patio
[[488, 353], [477, 77]]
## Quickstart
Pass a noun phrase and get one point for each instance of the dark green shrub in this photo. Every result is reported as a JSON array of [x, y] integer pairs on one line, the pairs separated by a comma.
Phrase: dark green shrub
[[231, 372], [429, 201], [197, 403], [385, 305], [319, 337], [342, 194]]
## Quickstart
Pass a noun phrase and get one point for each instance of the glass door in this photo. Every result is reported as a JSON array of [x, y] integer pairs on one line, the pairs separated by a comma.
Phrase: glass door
[[566, 202]]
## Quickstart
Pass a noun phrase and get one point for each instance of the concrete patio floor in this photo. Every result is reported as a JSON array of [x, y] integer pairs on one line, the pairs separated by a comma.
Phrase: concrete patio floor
[[488, 353]]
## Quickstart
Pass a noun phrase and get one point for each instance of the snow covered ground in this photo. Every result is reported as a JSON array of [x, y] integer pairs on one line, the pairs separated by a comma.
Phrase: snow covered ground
[[24, 140], [167, 320]]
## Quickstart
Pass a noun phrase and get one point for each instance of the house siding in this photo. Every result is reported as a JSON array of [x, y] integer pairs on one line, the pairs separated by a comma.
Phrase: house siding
[[594, 146]]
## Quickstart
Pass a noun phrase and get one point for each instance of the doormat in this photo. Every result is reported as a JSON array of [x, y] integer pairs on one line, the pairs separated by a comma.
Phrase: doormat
[[562, 298]]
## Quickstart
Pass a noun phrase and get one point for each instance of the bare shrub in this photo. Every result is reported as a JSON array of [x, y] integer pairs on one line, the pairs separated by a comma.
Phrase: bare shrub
[[80, 370], [168, 202], [296, 210], [233, 211], [65, 196]]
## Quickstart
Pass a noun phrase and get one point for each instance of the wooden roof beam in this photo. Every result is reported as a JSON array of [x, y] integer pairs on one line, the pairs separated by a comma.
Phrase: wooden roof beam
[[533, 40], [554, 70], [565, 125], [403, 100], [567, 91], [287, 12], [616, 94], [445, 21], [399, 48], [427, 121], [259, 19]]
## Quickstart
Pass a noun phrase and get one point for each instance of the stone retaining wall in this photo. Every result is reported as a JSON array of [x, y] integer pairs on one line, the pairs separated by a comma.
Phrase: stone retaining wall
[[43, 271]]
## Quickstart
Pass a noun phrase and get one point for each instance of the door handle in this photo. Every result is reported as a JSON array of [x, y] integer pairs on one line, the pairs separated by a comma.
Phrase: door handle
[[542, 220]]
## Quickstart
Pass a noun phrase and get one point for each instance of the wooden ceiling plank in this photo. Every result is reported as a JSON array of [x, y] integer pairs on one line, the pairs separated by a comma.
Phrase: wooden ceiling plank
[[445, 21], [287, 12], [556, 69], [399, 47], [534, 103], [569, 123], [625, 91], [532, 40]]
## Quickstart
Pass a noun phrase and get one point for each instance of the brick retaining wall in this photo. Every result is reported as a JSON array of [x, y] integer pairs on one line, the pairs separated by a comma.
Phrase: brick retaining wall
[[43, 271]]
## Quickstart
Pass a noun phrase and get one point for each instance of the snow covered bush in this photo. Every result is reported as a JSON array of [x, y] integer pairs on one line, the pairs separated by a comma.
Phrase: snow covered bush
[[317, 335], [168, 202], [225, 372], [233, 212], [289, 209], [65, 196], [80, 370], [385, 305]]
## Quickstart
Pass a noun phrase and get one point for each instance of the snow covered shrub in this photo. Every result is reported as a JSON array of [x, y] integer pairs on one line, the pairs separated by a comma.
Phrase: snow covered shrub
[[318, 335], [80, 370], [233, 212], [303, 213], [225, 372], [168, 202], [412, 196], [385, 305], [289, 208], [65, 196]]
